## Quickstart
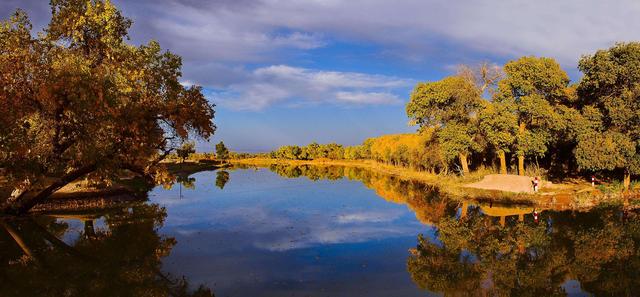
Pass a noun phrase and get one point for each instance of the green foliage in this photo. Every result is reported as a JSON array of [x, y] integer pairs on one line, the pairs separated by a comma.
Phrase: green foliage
[[312, 151], [222, 152], [458, 138], [451, 99], [498, 125], [450, 106], [604, 151], [610, 96], [532, 90], [185, 150]]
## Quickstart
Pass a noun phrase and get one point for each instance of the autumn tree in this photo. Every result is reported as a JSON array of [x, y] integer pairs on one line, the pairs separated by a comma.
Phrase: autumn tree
[[222, 152], [531, 90], [451, 106], [610, 93], [78, 101]]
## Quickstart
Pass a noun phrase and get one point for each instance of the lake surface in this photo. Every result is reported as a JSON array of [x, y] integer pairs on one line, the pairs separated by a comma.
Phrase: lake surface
[[319, 231]]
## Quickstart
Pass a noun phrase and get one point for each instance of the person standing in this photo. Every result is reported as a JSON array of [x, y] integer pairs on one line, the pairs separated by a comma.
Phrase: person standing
[[593, 180], [536, 184]]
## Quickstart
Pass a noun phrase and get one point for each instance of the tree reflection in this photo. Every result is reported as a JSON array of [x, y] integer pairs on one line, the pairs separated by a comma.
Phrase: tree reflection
[[475, 253], [121, 259], [599, 249], [186, 181], [222, 177], [425, 201]]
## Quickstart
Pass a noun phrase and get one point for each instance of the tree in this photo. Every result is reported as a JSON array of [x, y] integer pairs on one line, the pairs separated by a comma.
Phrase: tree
[[313, 151], [185, 150], [69, 97], [610, 94], [453, 101], [222, 152], [531, 89], [498, 125]]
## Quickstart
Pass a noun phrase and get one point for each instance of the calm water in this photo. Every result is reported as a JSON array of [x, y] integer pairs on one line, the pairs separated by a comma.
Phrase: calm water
[[318, 231]]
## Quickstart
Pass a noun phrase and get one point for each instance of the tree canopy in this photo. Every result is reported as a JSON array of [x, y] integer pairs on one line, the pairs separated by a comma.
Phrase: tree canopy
[[78, 101], [530, 90], [609, 94], [449, 105]]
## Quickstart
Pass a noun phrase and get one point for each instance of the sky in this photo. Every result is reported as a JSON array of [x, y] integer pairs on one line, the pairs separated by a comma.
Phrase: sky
[[292, 71]]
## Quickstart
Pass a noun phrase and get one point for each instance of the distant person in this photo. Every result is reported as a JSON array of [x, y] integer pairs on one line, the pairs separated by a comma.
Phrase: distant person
[[536, 184], [535, 215], [593, 180]]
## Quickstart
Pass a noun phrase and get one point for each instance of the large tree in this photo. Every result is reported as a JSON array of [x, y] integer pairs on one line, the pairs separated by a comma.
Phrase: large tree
[[498, 125], [78, 101], [531, 90], [610, 94], [451, 106]]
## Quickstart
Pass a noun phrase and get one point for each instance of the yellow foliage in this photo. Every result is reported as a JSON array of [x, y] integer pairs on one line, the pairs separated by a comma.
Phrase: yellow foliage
[[403, 149]]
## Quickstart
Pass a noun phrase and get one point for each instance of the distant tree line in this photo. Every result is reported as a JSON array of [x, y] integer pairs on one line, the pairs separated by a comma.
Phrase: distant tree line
[[310, 152], [527, 111]]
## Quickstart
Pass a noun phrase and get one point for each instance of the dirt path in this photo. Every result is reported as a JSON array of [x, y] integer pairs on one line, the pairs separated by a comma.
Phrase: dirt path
[[506, 182]]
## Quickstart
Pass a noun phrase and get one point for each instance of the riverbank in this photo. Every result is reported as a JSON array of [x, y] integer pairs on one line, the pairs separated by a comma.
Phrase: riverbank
[[571, 194], [80, 195]]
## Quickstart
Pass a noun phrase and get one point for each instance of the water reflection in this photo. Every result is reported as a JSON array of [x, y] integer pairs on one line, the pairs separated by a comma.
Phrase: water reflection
[[186, 181], [40, 256], [255, 233], [428, 204], [492, 250], [598, 249], [222, 177]]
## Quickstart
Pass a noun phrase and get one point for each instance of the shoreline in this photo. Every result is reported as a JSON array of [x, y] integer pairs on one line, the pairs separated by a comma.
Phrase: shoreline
[[562, 196]]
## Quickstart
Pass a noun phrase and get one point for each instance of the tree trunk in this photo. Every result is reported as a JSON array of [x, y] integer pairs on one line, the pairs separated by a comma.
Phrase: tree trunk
[[503, 162], [18, 239], [22, 204], [520, 165], [521, 130], [463, 162], [464, 209], [627, 179], [89, 229]]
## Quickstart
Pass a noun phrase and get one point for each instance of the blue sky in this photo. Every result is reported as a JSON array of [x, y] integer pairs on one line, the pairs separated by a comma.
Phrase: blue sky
[[292, 71]]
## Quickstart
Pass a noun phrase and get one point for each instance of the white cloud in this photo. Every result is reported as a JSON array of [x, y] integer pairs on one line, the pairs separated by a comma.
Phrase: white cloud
[[248, 30], [368, 98], [364, 217], [281, 84], [254, 30], [219, 39]]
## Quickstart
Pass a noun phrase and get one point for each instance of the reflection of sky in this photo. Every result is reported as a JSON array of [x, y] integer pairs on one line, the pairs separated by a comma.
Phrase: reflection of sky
[[264, 235]]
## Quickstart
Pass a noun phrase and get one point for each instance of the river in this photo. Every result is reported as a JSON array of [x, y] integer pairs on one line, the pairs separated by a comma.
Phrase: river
[[319, 231]]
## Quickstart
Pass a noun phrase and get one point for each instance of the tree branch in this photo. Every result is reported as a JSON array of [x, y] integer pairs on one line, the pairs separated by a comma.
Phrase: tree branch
[[22, 206]]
